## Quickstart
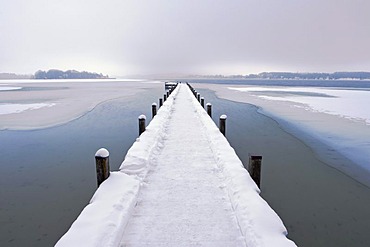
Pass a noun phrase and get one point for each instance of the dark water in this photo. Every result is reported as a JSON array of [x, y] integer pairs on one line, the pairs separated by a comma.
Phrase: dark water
[[48, 175]]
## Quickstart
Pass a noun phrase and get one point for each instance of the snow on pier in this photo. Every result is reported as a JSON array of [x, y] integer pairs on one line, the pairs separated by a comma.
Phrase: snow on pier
[[181, 184]]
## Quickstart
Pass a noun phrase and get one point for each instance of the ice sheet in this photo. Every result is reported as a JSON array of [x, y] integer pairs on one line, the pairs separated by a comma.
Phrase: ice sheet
[[348, 103]]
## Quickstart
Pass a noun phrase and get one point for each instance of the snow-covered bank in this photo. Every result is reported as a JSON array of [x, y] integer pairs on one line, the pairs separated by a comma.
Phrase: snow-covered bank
[[258, 223]]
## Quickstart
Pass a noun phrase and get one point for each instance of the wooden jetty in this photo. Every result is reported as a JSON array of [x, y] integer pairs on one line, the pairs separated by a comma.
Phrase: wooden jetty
[[181, 184]]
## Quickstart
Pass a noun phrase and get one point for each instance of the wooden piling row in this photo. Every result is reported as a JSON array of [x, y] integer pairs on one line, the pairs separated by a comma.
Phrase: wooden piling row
[[196, 95], [102, 155]]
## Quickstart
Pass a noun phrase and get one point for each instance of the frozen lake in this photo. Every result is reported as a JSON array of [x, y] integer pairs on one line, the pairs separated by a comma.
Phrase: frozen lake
[[48, 170]]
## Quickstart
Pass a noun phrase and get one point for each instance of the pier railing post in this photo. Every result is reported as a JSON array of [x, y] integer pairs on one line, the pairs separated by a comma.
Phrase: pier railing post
[[154, 109], [160, 102], [168, 94], [202, 101], [141, 124], [198, 97], [223, 124], [102, 165], [164, 97], [209, 109], [254, 168]]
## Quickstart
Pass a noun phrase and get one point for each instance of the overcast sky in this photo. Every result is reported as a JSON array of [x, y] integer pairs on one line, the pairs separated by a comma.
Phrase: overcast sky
[[126, 37]]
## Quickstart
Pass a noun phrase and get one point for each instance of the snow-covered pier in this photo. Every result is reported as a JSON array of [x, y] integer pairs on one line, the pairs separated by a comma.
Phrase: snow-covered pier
[[181, 184]]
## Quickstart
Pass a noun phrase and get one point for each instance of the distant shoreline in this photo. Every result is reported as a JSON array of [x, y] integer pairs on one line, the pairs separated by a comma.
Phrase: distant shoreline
[[73, 74], [55, 74]]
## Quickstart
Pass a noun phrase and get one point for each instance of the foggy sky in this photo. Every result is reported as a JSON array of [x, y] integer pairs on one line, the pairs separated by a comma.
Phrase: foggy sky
[[126, 37]]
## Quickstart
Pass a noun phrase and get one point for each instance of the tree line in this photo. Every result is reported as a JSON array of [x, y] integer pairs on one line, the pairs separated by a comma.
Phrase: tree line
[[69, 74], [311, 76]]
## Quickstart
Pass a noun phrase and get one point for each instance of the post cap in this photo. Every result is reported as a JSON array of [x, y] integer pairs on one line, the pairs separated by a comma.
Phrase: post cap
[[208, 104], [154, 104], [223, 116], [142, 117], [102, 153], [202, 98]]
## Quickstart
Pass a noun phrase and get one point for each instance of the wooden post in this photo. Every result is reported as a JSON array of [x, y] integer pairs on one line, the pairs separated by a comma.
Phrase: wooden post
[[141, 124], [195, 93], [209, 109], [160, 102], [168, 94], [164, 97], [154, 109], [198, 96], [102, 165], [254, 168], [202, 101], [223, 124]]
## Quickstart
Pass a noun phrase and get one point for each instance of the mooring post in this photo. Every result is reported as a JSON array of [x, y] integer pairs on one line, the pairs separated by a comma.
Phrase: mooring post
[[195, 93], [202, 101], [254, 168], [164, 97], [102, 165], [141, 124], [223, 124], [198, 96], [160, 102], [154, 109], [209, 109], [168, 94]]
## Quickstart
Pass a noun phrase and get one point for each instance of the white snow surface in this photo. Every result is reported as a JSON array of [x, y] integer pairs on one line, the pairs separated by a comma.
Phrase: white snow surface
[[18, 108], [102, 153], [9, 88], [181, 184], [347, 103]]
